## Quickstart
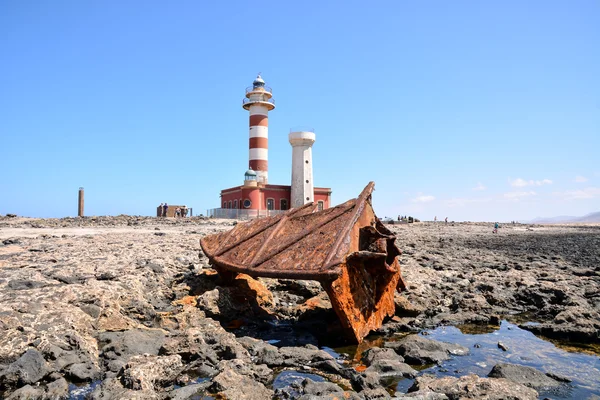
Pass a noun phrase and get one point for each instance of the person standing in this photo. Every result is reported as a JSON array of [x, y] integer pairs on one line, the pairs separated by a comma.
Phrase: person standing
[[435, 219], [160, 210], [446, 220], [165, 209], [495, 228], [185, 211]]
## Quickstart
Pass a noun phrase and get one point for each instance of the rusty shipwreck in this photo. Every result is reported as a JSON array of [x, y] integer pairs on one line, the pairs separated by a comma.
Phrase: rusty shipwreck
[[346, 248]]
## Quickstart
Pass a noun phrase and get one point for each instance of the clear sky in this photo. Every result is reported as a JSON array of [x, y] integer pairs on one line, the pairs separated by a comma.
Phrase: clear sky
[[474, 110]]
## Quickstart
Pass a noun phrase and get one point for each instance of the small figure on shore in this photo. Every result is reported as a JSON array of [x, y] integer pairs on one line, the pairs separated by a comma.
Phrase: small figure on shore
[[184, 212], [177, 212], [165, 209], [160, 210], [446, 220], [435, 219], [495, 228]]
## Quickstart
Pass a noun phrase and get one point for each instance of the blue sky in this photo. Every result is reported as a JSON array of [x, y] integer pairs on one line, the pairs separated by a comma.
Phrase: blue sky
[[466, 109]]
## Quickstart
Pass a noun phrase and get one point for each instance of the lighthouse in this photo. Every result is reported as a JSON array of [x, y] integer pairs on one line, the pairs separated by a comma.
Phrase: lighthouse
[[302, 171], [259, 101], [257, 197]]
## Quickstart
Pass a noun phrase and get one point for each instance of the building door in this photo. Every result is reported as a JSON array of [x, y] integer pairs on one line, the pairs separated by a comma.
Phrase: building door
[[283, 204], [270, 204]]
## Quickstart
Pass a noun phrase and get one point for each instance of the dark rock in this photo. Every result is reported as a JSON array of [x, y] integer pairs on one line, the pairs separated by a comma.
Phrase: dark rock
[[404, 308], [472, 387], [376, 353], [260, 373], [330, 366], [523, 375], [320, 388], [27, 392], [29, 368], [417, 350], [222, 302], [122, 345], [91, 309], [375, 394], [392, 368], [365, 380], [558, 378], [502, 346], [106, 276], [25, 284], [200, 368], [422, 396], [147, 372], [301, 356], [207, 342], [83, 372], [112, 389], [232, 385], [189, 392], [59, 389]]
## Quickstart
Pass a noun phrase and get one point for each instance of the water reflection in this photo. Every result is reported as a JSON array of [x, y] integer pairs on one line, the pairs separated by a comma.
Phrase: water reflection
[[524, 348]]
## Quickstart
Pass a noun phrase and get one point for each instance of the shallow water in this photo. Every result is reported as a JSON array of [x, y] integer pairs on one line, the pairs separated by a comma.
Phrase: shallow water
[[81, 391], [290, 380], [524, 348]]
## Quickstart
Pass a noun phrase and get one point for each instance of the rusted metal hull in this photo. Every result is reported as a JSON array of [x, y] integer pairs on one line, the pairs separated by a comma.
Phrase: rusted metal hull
[[346, 248]]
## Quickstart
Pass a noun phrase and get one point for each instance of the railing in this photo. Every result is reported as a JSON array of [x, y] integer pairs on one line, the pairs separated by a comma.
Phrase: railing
[[236, 213], [247, 101], [258, 89], [302, 129]]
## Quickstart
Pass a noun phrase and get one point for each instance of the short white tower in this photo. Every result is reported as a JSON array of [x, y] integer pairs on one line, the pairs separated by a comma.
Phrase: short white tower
[[302, 176]]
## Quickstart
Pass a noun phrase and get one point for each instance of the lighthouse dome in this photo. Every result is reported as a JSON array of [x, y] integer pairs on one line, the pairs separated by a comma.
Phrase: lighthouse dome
[[258, 82]]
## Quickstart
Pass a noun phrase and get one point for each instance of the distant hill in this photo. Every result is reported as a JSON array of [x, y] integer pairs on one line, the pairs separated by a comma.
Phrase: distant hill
[[564, 219]]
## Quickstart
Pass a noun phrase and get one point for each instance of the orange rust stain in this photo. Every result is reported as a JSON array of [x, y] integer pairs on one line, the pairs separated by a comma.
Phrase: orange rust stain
[[360, 368], [186, 301], [235, 324], [254, 288], [210, 272]]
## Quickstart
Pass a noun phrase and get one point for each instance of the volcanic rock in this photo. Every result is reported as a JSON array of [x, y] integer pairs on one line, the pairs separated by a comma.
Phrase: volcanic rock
[[417, 350], [473, 387], [523, 375]]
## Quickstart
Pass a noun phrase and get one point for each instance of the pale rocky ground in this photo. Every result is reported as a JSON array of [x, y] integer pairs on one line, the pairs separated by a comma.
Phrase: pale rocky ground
[[129, 303]]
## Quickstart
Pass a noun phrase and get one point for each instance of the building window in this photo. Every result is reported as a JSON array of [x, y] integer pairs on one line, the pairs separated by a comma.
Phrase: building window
[[270, 204], [224, 204], [229, 204], [247, 203], [235, 204], [320, 205], [283, 204]]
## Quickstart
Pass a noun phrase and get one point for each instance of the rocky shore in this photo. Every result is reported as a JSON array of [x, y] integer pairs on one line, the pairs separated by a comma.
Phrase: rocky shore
[[128, 308]]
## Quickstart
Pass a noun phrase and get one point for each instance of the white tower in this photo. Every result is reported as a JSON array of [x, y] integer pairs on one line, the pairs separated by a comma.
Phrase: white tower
[[302, 177], [259, 102]]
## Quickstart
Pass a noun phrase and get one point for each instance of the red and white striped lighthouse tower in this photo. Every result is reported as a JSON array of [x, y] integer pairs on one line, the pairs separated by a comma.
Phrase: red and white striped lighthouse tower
[[259, 102]]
